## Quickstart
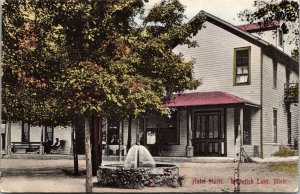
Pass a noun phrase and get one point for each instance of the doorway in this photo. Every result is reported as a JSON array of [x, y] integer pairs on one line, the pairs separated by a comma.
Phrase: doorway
[[208, 134]]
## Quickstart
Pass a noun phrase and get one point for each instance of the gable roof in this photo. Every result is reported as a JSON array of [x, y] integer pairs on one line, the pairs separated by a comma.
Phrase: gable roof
[[268, 48]]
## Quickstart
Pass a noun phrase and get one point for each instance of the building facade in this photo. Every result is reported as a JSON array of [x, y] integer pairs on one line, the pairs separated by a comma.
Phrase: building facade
[[247, 83]]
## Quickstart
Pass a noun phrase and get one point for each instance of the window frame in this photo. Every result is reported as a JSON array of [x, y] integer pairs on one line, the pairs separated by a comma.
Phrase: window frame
[[249, 66], [275, 127]]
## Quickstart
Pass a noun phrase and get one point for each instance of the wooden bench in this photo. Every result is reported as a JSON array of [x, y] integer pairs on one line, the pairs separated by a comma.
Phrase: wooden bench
[[25, 147]]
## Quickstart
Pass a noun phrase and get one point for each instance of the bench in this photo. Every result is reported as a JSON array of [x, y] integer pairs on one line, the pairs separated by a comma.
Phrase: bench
[[25, 147]]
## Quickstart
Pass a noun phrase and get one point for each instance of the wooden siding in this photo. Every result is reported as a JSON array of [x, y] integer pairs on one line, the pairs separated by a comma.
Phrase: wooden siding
[[16, 132], [255, 133], [176, 150], [35, 135], [294, 78], [270, 36], [214, 59], [230, 133], [273, 99], [295, 123], [133, 131]]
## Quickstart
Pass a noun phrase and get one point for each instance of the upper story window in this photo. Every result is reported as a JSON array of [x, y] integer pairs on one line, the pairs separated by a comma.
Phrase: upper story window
[[280, 37], [242, 66], [275, 74]]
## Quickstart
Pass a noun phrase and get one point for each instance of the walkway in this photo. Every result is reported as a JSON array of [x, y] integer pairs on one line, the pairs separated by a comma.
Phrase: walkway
[[31, 175]]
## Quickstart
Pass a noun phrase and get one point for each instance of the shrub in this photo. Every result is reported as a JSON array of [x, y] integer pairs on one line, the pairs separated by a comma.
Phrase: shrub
[[285, 152]]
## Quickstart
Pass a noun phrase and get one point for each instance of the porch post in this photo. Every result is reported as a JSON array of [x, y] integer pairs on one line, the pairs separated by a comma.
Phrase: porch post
[[242, 125], [1, 143], [42, 140], [8, 138], [145, 131], [106, 137], [189, 147]]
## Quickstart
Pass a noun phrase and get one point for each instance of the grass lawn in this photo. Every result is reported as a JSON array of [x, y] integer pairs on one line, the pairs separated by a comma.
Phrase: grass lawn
[[289, 168]]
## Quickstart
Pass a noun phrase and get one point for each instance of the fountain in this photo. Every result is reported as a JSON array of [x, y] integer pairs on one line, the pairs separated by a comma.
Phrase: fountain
[[139, 170]]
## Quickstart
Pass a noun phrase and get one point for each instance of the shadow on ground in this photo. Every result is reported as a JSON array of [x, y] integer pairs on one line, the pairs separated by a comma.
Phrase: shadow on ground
[[40, 172]]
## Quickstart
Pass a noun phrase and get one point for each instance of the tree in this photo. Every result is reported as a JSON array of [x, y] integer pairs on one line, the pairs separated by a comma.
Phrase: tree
[[269, 10], [92, 59]]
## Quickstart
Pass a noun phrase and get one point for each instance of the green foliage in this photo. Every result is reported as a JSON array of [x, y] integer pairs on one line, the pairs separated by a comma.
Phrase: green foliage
[[269, 10], [285, 152], [64, 60]]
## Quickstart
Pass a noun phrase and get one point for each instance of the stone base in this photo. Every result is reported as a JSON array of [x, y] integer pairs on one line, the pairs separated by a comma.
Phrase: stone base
[[189, 151], [136, 178]]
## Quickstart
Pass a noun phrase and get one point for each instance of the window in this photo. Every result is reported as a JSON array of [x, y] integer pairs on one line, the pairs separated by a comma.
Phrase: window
[[242, 66], [280, 37], [246, 126], [274, 74], [25, 132], [275, 125], [113, 132], [49, 133], [168, 134]]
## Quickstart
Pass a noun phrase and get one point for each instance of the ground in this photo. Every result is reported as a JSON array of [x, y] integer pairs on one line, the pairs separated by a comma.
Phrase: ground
[[28, 175]]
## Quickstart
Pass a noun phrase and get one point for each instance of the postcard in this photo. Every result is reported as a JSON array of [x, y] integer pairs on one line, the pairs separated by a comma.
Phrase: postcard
[[149, 96]]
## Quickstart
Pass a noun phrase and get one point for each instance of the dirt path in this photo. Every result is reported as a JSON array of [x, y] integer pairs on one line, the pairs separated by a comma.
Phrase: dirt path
[[20, 175]]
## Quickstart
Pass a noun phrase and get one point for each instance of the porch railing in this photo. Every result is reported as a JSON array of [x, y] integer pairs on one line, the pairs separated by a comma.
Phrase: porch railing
[[291, 92]]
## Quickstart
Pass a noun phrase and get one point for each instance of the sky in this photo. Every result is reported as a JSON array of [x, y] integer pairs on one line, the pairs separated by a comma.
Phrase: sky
[[224, 9]]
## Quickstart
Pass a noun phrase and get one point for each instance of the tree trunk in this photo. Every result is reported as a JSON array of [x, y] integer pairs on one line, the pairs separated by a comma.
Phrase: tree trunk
[[88, 180], [129, 133], [75, 153], [96, 141]]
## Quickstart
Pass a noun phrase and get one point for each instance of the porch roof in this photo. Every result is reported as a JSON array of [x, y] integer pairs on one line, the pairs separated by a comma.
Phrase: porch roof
[[206, 99]]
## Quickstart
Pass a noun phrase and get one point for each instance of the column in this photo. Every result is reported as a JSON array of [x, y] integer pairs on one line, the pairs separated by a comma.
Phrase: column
[[42, 140], [8, 140], [242, 125], [106, 137], [189, 147], [6, 137], [241, 132]]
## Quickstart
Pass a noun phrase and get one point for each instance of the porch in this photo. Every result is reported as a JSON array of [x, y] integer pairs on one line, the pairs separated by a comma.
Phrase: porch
[[209, 121]]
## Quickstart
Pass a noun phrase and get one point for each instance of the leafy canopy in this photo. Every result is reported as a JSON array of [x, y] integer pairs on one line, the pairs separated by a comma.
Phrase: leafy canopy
[[68, 59]]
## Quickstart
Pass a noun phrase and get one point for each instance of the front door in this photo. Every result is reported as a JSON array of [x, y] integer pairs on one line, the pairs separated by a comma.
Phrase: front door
[[208, 134]]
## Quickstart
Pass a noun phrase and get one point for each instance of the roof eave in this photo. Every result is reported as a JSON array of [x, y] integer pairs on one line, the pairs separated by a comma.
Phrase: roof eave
[[288, 60]]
